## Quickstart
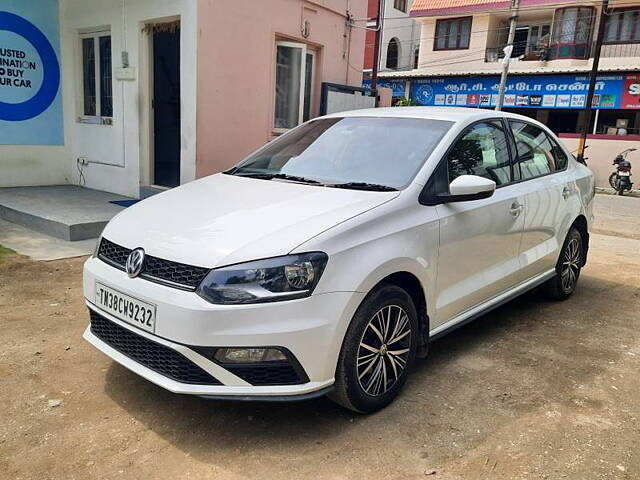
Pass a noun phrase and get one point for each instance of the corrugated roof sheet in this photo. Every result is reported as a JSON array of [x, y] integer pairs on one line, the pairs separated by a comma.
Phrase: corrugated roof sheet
[[431, 8], [513, 70]]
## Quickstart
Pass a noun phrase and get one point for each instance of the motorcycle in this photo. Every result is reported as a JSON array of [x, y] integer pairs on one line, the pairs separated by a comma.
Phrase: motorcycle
[[620, 180]]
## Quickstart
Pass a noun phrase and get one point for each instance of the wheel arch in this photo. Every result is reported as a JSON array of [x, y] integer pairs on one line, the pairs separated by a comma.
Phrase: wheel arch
[[411, 284], [581, 224]]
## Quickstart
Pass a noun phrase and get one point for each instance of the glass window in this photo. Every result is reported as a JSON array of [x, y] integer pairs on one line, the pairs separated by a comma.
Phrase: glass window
[[89, 76], [571, 34], [622, 26], [308, 86], [481, 151], [97, 99], [383, 151], [453, 34], [400, 5], [294, 84], [535, 152], [106, 100]]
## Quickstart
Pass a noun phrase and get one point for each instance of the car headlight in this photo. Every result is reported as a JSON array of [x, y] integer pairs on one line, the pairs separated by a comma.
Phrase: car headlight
[[269, 280]]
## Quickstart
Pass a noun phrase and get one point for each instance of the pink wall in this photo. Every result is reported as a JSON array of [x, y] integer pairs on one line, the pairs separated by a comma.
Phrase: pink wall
[[236, 67]]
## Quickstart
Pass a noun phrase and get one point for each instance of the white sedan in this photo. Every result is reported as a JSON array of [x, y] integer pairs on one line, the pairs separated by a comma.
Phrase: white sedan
[[326, 261]]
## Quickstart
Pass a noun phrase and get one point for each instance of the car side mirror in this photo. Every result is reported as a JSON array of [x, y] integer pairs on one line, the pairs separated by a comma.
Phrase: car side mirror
[[468, 187]]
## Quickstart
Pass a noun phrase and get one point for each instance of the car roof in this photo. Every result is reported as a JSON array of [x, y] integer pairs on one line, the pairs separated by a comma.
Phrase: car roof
[[451, 114]]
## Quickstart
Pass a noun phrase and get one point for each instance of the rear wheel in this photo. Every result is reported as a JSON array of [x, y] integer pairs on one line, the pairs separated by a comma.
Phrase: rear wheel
[[612, 180], [568, 267], [378, 349]]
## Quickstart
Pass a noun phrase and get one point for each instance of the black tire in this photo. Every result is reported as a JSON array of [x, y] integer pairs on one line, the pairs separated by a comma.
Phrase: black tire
[[612, 180], [568, 268], [368, 380]]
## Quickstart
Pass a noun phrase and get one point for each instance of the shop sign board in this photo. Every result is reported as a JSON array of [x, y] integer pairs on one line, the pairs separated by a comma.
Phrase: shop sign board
[[398, 86], [529, 91], [30, 97]]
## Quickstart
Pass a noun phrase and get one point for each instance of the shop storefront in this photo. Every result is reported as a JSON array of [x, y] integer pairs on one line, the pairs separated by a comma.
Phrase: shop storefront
[[556, 100]]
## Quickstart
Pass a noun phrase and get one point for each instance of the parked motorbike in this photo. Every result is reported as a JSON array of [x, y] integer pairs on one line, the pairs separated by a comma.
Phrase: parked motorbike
[[620, 180]]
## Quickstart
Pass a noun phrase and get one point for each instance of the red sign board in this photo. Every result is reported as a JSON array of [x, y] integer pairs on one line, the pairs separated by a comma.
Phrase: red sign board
[[631, 92]]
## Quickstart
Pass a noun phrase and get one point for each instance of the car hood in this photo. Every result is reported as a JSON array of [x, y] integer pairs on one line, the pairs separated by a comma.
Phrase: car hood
[[224, 219]]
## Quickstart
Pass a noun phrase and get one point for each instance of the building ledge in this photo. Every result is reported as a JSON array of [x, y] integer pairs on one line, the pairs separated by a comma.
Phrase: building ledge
[[600, 136]]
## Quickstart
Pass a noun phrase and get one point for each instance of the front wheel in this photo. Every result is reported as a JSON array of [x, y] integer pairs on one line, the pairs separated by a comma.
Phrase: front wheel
[[568, 267], [378, 349]]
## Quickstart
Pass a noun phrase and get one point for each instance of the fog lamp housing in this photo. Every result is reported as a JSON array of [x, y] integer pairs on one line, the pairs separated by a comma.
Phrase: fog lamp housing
[[249, 355]]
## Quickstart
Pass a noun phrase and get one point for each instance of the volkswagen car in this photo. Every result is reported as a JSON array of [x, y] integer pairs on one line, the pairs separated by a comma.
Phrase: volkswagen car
[[327, 261]]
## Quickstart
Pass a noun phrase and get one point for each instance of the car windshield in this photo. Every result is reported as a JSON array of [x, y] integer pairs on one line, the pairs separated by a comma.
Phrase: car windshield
[[349, 152]]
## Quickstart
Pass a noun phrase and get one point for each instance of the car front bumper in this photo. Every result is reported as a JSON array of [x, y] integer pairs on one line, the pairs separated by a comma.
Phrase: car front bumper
[[311, 329]]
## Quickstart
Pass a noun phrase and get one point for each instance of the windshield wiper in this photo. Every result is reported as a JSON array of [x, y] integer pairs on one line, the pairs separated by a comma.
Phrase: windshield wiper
[[374, 187], [280, 176]]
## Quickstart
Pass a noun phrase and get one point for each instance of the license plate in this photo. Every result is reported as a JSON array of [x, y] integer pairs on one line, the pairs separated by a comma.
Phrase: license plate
[[126, 308], [623, 174]]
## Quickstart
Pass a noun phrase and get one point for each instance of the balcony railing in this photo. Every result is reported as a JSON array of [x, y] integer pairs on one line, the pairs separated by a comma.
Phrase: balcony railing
[[537, 54]]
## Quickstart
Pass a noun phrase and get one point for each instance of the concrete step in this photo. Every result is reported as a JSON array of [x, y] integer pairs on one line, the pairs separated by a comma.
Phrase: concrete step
[[68, 212]]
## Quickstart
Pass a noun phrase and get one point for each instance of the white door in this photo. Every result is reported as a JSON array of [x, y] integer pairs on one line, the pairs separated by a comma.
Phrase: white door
[[480, 239], [550, 197]]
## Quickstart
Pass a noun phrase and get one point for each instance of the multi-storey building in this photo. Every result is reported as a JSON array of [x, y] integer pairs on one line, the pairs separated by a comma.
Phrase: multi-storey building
[[399, 41], [462, 49]]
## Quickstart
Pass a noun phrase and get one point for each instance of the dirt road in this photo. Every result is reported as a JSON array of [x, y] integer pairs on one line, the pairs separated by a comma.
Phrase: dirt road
[[533, 390]]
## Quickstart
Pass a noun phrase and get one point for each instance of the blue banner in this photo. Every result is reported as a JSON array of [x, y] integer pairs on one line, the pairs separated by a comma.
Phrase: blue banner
[[398, 86], [30, 97], [524, 91]]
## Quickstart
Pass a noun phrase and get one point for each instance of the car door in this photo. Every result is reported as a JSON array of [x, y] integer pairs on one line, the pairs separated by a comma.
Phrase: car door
[[480, 239], [549, 197]]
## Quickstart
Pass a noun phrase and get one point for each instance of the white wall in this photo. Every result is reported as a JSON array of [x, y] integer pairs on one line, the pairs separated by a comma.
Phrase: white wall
[[118, 154], [398, 24]]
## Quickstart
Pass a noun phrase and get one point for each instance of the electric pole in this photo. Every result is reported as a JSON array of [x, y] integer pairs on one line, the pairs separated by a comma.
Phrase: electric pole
[[376, 48], [588, 107], [515, 6]]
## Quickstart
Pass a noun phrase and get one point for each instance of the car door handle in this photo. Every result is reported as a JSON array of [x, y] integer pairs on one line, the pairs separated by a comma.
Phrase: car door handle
[[516, 209], [566, 191]]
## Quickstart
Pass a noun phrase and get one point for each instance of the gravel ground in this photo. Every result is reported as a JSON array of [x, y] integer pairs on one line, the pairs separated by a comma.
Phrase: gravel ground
[[535, 389]]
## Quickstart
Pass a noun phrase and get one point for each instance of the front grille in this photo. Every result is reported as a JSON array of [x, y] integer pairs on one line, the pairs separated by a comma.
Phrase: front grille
[[158, 358], [112, 253], [166, 272], [271, 373]]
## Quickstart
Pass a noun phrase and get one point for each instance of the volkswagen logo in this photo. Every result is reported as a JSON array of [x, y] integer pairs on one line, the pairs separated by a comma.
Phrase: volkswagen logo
[[135, 262]]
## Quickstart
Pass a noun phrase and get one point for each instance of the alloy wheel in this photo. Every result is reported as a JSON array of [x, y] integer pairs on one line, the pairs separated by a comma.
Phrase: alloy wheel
[[571, 265], [384, 349]]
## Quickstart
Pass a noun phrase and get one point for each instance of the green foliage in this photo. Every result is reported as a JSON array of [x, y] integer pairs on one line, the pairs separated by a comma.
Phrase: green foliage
[[5, 252], [405, 102]]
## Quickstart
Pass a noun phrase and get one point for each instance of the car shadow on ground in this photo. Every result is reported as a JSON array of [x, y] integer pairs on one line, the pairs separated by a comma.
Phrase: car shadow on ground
[[502, 364]]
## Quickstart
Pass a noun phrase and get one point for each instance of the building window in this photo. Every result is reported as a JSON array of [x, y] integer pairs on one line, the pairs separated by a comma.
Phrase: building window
[[295, 66], [571, 32], [393, 52], [453, 34], [623, 26], [97, 99], [400, 5]]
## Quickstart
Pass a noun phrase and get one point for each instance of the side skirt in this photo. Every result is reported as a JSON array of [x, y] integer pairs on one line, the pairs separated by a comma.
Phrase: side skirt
[[495, 302]]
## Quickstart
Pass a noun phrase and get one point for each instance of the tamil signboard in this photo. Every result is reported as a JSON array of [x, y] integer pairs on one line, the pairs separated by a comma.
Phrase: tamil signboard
[[30, 97], [529, 91], [397, 86]]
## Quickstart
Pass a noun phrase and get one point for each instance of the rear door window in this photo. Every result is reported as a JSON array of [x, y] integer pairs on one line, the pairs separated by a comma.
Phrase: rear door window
[[536, 155]]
